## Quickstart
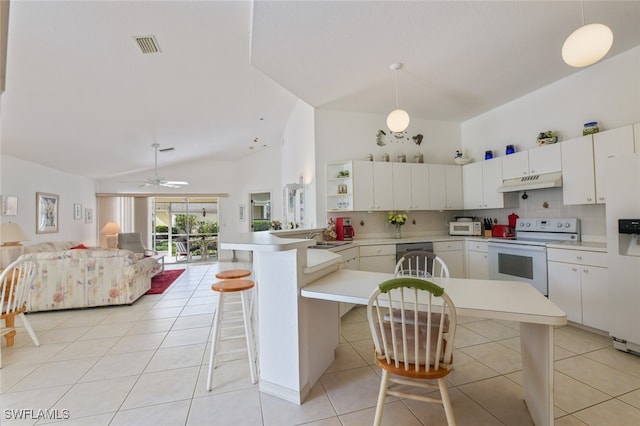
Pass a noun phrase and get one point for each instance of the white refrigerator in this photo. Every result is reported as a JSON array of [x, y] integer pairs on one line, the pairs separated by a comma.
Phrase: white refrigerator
[[623, 248]]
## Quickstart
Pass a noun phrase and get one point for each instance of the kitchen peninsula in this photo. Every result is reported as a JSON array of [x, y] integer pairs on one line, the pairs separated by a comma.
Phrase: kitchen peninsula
[[298, 318]]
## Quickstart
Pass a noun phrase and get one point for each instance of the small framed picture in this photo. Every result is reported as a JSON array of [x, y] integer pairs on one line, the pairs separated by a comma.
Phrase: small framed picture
[[77, 211], [88, 215], [9, 205], [46, 213]]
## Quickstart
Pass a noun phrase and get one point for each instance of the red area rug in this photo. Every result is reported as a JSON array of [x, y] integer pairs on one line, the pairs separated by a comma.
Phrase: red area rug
[[163, 280]]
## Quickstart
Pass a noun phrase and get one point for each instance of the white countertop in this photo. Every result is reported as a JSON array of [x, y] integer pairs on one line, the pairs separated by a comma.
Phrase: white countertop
[[262, 241], [580, 245], [507, 300]]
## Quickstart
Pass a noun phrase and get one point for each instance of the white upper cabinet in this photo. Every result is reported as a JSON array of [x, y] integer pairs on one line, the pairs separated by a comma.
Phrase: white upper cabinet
[[578, 177], [535, 161], [472, 185], [481, 181], [545, 159], [410, 186], [340, 186], [372, 185], [584, 164], [445, 187], [607, 144]]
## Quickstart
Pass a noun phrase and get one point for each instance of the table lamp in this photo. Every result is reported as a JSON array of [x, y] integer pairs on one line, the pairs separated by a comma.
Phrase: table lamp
[[110, 231], [11, 234]]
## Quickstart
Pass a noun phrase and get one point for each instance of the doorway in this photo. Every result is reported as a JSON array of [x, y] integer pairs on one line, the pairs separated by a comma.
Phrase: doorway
[[185, 229], [260, 211]]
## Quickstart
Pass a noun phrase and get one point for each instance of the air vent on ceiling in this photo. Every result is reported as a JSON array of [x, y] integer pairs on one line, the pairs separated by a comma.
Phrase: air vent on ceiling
[[148, 44]]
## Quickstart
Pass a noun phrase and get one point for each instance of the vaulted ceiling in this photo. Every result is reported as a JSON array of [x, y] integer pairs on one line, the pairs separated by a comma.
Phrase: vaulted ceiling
[[82, 97]]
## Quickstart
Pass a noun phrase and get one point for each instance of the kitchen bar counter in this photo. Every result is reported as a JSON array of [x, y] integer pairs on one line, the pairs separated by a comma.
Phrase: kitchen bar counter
[[501, 300]]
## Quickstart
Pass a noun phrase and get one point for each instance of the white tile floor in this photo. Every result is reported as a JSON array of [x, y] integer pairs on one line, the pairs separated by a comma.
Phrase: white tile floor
[[146, 364]]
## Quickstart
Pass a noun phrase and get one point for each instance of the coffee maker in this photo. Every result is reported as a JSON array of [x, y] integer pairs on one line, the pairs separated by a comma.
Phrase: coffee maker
[[344, 229]]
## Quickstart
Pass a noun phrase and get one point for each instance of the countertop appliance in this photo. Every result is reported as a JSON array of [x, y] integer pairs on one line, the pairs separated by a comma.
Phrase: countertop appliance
[[344, 230], [623, 250], [524, 257], [465, 227]]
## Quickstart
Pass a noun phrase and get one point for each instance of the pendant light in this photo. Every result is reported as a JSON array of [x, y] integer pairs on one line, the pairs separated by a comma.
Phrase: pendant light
[[398, 119], [588, 44]]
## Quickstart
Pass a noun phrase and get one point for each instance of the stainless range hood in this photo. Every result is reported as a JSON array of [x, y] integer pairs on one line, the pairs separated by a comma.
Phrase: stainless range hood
[[549, 180]]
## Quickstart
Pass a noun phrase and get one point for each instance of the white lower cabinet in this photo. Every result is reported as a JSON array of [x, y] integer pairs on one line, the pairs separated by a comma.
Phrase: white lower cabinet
[[578, 285], [477, 260], [452, 253], [378, 258]]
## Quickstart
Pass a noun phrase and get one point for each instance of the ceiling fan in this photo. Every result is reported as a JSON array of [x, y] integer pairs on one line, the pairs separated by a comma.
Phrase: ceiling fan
[[156, 180]]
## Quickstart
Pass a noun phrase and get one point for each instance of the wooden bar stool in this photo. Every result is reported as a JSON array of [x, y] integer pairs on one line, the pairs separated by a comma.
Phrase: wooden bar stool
[[233, 274], [230, 320]]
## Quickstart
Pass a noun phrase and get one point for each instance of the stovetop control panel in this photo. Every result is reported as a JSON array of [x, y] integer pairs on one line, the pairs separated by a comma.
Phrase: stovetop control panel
[[563, 225]]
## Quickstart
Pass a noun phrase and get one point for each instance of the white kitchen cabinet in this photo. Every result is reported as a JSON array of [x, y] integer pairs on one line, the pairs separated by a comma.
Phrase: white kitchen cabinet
[[584, 164], [578, 285], [452, 253], [410, 186], [578, 177], [481, 181], [535, 161], [339, 186], [378, 258], [445, 187], [372, 185], [477, 260], [607, 144]]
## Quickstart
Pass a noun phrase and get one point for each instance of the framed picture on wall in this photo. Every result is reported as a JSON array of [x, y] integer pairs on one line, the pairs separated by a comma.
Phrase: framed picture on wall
[[46, 213], [9, 205], [88, 215], [77, 211]]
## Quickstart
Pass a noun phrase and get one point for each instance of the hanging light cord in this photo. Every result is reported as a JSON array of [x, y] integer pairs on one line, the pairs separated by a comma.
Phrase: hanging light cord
[[582, 11], [395, 73]]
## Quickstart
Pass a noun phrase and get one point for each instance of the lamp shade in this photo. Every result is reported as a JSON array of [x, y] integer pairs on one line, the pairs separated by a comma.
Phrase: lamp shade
[[398, 120], [12, 234], [587, 45], [110, 228]]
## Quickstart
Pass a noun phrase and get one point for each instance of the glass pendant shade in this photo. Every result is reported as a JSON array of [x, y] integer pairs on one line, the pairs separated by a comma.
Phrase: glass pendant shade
[[398, 120], [587, 45]]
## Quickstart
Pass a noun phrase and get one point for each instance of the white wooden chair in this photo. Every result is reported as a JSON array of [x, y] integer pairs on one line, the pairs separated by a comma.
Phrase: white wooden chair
[[412, 340], [421, 264], [15, 282]]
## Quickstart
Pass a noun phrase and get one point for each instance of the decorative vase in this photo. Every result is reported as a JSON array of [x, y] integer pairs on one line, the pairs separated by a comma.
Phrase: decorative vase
[[398, 230]]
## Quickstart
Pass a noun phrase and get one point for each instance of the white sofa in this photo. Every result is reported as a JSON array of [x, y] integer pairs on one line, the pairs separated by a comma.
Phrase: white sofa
[[79, 278]]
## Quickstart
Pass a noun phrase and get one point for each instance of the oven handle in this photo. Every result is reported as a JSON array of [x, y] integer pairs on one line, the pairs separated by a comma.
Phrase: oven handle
[[520, 247]]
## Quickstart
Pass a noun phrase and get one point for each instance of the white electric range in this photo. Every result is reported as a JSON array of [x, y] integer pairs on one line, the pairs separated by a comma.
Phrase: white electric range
[[524, 257]]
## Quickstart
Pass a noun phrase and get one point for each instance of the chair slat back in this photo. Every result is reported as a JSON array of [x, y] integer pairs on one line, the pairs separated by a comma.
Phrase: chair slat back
[[421, 264], [15, 284], [412, 324]]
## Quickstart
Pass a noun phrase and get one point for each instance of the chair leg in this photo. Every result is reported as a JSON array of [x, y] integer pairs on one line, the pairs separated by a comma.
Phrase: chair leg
[[27, 325], [248, 331], [215, 336], [384, 384], [446, 401], [10, 322]]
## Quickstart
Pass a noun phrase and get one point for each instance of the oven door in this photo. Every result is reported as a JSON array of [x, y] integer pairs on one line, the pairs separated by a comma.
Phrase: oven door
[[519, 262]]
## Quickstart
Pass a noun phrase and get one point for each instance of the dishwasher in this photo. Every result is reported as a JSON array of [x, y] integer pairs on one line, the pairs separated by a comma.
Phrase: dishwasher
[[402, 249]]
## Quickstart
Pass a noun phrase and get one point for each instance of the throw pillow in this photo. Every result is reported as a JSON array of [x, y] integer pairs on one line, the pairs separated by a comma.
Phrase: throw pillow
[[79, 247]]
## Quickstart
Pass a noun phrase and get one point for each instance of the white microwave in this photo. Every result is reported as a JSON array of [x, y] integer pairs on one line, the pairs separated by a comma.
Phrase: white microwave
[[465, 228]]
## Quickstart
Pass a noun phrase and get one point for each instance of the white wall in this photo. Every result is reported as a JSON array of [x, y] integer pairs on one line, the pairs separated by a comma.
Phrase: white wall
[[607, 92], [298, 157], [342, 135], [23, 179]]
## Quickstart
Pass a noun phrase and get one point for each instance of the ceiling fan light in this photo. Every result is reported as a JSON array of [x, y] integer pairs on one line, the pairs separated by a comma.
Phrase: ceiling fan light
[[398, 120], [587, 45]]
